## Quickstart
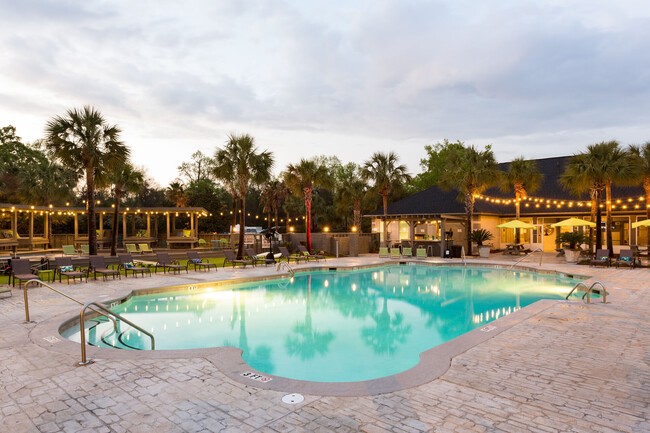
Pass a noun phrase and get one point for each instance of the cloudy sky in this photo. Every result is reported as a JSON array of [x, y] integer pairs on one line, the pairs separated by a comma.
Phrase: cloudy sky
[[345, 78]]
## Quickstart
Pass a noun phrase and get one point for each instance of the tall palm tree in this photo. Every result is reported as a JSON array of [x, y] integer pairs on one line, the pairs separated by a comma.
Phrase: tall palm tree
[[385, 173], [124, 179], [470, 171], [351, 189], [225, 172], [524, 177], [642, 156], [302, 178], [273, 196], [596, 169], [176, 193], [249, 165], [84, 139]]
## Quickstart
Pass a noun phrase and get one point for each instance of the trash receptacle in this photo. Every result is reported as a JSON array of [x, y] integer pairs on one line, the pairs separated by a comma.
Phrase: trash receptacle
[[456, 251]]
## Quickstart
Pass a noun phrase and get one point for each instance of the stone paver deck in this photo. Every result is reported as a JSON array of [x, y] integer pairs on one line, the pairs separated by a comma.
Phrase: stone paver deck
[[571, 367]]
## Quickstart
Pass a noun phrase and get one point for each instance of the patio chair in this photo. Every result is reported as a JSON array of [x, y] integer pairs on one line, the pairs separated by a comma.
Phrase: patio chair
[[421, 253], [194, 259], [626, 258], [21, 270], [303, 250], [407, 252], [395, 253], [144, 248], [166, 263], [126, 263], [286, 255], [85, 249], [98, 266], [7, 289], [383, 252], [69, 250], [602, 258], [131, 248], [258, 259], [232, 258], [64, 267]]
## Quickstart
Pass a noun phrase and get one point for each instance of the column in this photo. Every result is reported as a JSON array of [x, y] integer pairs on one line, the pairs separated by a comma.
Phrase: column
[[443, 241], [31, 229], [168, 229], [124, 226], [148, 224]]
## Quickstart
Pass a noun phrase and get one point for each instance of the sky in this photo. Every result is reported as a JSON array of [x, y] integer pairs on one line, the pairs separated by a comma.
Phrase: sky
[[345, 78]]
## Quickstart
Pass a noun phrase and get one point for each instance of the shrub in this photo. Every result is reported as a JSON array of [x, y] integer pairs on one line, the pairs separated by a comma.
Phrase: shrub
[[571, 238], [481, 235]]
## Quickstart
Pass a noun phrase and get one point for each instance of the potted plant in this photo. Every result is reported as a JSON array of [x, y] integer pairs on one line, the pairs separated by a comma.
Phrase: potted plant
[[479, 236], [574, 239]]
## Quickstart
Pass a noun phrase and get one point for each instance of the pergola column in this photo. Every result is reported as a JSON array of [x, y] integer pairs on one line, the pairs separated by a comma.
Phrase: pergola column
[[412, 224], [76, 225], [31, 228], [124, 236], [192, 224], [46, 228], [148, 225], [168, 228], [101, 225]]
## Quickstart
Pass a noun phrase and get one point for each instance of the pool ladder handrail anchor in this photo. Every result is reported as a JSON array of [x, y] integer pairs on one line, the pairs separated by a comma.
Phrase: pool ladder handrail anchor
[[529, 254], [589, 290]]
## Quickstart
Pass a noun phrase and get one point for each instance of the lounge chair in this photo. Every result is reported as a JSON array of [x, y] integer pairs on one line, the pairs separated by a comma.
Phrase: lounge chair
[[85, 249], [21, 270], [7, 289], [258, 259], [626, 258], [395, 253], [421, 253], [126, 263], [303, 250], [194, 259], [64, 267], [602, 258], [383, 252], [407, 252], [166, 263], [98, 266], [232, 258], [144, 248], [286, 255], [131, 248], [69, 250]]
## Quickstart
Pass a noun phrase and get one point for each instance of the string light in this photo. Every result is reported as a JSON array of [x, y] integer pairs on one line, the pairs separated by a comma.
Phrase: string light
[[555, 202]]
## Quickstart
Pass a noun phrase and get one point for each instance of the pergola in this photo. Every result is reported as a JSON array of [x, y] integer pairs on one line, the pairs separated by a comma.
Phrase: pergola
[[184, 236]]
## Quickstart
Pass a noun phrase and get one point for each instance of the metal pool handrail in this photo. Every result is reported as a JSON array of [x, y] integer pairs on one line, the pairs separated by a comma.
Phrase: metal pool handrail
[[462, 250], [530, 253], [589, 290], [105, 312], [286, 265]]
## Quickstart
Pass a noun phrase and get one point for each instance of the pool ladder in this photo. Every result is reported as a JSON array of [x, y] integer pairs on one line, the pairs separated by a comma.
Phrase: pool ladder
[[96, 308], [287, 266], [589, 290], [526, 256]]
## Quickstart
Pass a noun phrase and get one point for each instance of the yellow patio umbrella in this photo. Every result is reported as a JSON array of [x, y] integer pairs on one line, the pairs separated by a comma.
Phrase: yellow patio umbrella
[[643, 223], [516, 224], [574, 222]]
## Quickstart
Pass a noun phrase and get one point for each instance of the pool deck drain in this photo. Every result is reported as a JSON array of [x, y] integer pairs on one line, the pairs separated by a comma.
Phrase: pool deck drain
[[571, 367]]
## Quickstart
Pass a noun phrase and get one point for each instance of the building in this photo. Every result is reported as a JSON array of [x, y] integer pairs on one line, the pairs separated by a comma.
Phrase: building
[[424, 216]]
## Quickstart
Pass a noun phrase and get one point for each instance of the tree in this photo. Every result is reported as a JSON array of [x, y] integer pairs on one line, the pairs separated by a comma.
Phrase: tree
[[224, 170], [470, 171], [524, 177], [642, 156], [433, 165], [124, 179], [350, 191], [273, 196], [385, 173], [198, 169], [84, 139], [248, 166], [176, 193], [302, 178]]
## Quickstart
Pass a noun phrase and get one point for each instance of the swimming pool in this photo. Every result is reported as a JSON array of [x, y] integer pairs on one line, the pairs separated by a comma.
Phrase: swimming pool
[[331, 326]]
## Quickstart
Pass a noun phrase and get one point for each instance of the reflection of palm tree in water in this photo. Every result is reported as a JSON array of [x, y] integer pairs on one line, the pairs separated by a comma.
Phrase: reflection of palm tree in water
[[388, 331], [309, 342], [259, 357]]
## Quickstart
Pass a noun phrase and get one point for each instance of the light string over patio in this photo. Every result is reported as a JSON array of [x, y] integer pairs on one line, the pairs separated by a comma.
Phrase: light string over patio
[[539, 202]]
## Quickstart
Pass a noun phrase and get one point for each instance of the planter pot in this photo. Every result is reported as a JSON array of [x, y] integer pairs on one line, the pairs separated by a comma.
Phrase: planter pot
[[484, 251], [571, 255]]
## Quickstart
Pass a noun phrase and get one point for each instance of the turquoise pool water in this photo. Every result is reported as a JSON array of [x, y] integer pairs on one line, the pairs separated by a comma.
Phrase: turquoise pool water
[[331, 326]]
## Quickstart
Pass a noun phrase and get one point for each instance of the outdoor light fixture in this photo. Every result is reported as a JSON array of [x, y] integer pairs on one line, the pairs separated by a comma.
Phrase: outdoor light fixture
[[354, 228], [326, 229], [291, 229]]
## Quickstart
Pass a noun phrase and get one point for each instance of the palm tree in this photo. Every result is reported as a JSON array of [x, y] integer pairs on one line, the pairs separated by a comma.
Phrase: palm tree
[[248, 165], [385, 173], [273, 196], [303, 178], [176, 193], [470, 171], [524, 177], [642, 156], [84, 139], [224, 171], [351, 190], [596, 169], [124, 179]]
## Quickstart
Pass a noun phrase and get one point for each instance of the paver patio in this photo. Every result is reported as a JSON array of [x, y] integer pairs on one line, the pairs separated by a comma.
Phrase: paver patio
[[571, 367]]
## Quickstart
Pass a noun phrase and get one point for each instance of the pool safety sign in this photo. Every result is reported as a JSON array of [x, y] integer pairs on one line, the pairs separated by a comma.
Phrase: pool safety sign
[[257, 377]]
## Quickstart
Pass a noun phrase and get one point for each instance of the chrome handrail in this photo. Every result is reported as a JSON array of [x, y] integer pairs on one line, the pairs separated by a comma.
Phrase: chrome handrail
[[589, 290], [526, 256], [82, 329], [286, 265], [37, 281]]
